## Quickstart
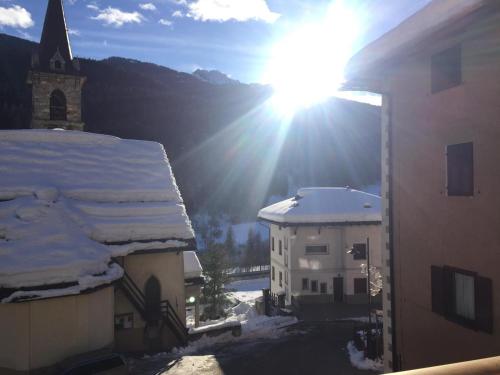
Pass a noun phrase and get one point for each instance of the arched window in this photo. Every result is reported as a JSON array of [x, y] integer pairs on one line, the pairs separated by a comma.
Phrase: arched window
[[153, 299], [58, 106]]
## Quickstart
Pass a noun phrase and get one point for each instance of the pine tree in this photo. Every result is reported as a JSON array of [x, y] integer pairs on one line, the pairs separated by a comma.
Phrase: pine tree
[[214, 231], [261, 250], [215, 266], [251, 249], [230, 245]]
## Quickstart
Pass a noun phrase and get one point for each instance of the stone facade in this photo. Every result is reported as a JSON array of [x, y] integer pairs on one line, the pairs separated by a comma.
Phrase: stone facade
[[43, 85], [55, 76]]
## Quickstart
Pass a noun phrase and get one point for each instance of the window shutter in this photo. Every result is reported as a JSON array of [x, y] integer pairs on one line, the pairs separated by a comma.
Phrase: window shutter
[[484, 304], [437, 286], [448, 291], [460, 169]]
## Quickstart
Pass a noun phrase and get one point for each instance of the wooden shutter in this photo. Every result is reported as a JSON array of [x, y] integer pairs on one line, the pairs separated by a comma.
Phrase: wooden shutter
[[460, 169], [484, 304], [448, 291], [360, 286], [446, 69], [437, 287]]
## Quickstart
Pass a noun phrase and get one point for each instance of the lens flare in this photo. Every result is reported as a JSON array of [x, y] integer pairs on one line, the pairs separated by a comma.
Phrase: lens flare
[[307, 65]]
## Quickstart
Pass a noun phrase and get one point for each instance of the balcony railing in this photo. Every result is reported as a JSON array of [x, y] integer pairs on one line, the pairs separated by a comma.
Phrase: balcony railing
[[484, 366]]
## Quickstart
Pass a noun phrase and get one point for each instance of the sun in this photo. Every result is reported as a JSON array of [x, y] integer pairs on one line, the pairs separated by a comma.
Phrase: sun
[[306, 66]]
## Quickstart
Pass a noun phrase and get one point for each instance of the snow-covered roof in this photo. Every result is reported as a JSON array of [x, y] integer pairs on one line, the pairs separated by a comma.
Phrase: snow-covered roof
[[415, 29], [325, 206], [70, 201], [192, 265]]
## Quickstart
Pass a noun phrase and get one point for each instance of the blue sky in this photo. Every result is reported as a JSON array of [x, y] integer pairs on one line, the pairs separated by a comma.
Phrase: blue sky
[[233, 36]]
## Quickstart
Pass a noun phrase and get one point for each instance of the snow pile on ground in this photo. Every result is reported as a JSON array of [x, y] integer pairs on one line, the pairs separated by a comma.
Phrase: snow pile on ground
[[248, 290], [70, 201], [243, 313], [325, 205], [359, 361]]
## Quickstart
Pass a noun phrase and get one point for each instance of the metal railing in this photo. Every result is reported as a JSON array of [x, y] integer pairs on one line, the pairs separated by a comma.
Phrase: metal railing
[[134, 294], [249, 270], [168, 314], [171, 318]]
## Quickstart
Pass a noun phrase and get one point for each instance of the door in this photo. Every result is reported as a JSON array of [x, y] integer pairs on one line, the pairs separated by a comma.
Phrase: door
[[338, 289], [153, 299]]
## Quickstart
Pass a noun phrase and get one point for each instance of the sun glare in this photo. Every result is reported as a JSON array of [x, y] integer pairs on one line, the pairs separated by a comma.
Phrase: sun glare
[[307, 65]]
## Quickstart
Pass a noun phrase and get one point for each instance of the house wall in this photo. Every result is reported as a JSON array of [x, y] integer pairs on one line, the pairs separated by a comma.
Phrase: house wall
[[168, 268], [278, 261], [322, 267], [40, 334], [431, 228]]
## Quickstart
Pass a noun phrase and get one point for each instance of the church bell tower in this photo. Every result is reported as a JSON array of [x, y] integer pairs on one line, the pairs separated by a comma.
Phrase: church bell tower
[[55, 76]]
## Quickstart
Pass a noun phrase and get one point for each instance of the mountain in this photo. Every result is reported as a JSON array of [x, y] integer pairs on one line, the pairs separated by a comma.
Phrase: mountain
[[214, 77], [228, 150]]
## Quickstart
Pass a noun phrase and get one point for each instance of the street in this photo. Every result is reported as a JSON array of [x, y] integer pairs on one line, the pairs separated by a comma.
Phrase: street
[[308, 348]]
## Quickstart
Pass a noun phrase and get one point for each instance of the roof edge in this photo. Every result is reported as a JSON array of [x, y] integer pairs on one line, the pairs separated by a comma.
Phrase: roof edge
[[321, 224], [435, 17]]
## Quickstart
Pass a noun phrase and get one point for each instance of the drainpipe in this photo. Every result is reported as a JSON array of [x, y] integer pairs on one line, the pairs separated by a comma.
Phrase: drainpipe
[[388, 222]]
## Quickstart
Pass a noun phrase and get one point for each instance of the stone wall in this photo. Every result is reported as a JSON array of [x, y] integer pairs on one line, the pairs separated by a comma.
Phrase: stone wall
[[43, 84]]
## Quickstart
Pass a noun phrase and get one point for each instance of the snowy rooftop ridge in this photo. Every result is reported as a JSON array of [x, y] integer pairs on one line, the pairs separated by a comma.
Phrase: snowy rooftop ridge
[[325, 205], [84, 166], [192, 265], [71, 201]]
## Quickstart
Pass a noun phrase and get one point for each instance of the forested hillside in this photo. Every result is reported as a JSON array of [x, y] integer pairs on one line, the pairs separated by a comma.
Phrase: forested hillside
[[229, 151]]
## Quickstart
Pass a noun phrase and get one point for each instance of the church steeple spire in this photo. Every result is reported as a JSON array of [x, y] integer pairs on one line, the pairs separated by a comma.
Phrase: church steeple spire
[[55, 77], [55, 51]]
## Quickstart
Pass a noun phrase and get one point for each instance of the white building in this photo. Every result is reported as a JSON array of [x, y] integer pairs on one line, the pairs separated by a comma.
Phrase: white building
[[310, 237]]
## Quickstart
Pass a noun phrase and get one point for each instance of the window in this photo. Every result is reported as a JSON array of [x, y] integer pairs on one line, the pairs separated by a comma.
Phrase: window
[[58, 106], [446, 69], [286, 259], [272, 243], [305, 284], [280, 247], [360, 286], [124, 321], [463, 297], [286, 277], [286, 243], [317, 249], [359, 251], [273, 273], [314, 286], [460, 169], [281, 278], [322, 288]]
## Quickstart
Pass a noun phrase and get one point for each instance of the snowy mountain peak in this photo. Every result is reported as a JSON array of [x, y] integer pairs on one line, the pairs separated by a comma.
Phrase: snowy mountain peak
[[214, 77]]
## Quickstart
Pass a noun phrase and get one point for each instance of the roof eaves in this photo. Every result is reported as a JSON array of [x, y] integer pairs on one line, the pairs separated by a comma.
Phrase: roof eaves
[[322, 224], [407, 37]]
